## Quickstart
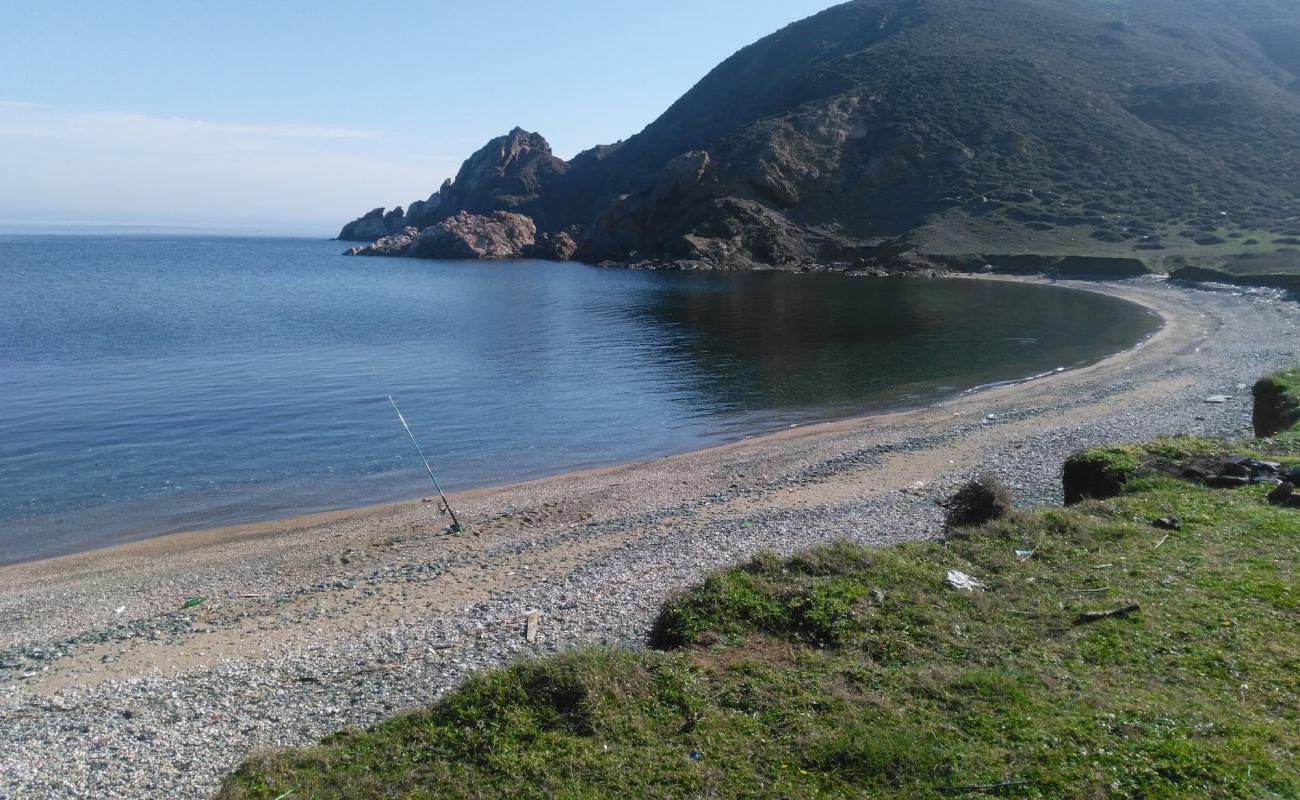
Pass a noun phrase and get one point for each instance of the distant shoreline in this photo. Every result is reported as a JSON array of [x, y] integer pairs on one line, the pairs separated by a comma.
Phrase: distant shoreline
[[185, 229]]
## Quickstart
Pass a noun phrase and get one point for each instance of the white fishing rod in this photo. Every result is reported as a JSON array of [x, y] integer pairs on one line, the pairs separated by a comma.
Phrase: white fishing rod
[[455, 523]]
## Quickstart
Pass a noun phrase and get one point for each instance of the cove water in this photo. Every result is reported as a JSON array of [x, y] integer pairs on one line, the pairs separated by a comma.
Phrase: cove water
[[154, 383]]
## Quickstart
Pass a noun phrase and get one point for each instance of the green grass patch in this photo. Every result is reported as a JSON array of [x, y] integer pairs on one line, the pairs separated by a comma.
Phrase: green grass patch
[[854, 672], [1103, 471], [1249, 256]]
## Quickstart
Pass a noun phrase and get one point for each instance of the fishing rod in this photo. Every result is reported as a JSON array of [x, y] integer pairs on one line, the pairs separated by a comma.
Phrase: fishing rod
[[455, 523]]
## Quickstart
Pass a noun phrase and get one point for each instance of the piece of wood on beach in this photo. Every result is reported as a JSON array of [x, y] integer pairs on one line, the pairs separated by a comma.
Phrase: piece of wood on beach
[[1094, 616], [533, 617], [972, 788]]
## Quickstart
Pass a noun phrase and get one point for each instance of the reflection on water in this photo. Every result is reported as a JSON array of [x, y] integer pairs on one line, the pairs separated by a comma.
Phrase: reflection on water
[[834, 344], [159, 383]]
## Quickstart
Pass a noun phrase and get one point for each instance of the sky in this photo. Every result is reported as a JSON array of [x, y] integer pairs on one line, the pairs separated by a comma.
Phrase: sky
[[298, 116]]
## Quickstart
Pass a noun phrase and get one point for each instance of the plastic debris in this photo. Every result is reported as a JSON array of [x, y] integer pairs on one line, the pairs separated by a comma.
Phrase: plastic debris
[[1167, 523], [119, 609], [962, 582], [1217, 398], [193, 601], [1025, 555], [696, 755]]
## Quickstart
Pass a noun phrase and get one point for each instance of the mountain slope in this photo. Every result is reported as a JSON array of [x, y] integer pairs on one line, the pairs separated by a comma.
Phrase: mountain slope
[[946, 126]]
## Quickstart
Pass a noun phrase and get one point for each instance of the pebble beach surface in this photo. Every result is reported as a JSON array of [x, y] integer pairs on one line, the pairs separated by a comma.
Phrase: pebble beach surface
[[110, 687]]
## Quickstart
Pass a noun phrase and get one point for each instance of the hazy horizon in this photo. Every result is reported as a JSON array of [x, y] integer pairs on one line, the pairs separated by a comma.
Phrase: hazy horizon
[[298, 118]]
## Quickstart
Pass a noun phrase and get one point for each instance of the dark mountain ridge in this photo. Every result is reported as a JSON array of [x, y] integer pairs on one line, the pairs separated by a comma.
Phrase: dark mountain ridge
[[943, 127]]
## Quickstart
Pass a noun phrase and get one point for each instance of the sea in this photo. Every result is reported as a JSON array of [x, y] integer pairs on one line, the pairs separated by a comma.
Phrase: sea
[[158, 382]]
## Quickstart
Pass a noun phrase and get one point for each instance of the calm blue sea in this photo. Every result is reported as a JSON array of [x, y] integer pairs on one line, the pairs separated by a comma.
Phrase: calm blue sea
[[152, 383]]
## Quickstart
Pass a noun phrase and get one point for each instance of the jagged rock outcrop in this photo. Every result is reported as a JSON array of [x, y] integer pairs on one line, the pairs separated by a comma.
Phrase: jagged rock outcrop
[[375, 224], [499, 235], [556, 247], [396, 244], [1015, 126], [421, 213], [368, 227], [510, 173]]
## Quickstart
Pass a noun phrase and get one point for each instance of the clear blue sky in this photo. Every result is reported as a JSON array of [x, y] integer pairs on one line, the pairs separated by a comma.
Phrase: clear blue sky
[[301, 114]]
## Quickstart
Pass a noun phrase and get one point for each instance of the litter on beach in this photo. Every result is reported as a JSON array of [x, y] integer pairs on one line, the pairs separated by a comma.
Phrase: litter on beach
[[963, 582], [1218, 398]]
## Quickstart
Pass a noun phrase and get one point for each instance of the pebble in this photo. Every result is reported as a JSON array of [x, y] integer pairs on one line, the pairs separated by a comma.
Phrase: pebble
[[179, 736]]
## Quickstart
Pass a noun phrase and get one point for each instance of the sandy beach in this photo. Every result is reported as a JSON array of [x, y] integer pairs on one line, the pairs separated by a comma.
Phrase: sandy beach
[[110, 688]]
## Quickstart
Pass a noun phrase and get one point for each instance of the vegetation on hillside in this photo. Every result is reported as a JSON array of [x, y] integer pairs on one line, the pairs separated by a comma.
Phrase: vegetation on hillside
[[1162, 129]]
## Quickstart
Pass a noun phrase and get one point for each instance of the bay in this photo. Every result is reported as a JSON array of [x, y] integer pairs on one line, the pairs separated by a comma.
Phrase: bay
[[154, 383]]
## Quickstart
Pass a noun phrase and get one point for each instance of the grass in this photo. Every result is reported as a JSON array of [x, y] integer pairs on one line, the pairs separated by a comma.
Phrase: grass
[[1256, 258], [1106, 470], [854, 672]]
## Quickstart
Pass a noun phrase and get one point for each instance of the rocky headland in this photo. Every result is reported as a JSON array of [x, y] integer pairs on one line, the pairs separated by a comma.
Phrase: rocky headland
[[904, 136]]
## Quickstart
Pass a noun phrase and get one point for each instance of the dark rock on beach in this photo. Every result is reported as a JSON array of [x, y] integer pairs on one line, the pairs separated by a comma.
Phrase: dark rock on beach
[[1282, 495]]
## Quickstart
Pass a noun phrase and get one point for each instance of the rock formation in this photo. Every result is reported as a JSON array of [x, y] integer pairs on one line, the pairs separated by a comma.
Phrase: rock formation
[[931, 126], [499, 235]]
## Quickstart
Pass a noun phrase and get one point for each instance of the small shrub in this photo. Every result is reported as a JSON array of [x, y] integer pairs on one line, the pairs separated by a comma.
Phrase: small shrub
[[979, 501]]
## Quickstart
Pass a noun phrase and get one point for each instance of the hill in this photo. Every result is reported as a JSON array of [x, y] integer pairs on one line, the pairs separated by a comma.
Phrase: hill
[[1160, 129]]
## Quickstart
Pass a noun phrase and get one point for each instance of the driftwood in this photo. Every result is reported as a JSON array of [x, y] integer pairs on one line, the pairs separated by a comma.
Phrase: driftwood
[[343, 676], [1094, 616], [982, 787]]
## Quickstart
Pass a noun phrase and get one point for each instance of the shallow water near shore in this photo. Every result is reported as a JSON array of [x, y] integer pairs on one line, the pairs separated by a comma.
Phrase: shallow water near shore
[[158, 383]]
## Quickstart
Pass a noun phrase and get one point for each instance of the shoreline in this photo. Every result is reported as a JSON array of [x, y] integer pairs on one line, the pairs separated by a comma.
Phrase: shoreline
[[109, 688], [292, 520]]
